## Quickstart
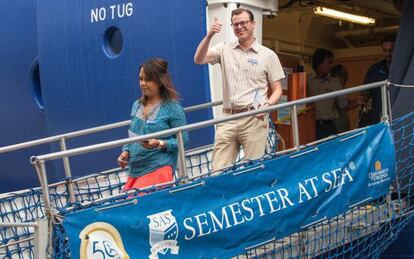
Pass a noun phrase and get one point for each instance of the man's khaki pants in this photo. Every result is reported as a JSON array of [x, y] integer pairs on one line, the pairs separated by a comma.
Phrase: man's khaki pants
[[250, 133]]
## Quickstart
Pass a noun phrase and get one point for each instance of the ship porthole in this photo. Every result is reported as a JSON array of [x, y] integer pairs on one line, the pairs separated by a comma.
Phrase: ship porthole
[[36, 83], [113, 42]]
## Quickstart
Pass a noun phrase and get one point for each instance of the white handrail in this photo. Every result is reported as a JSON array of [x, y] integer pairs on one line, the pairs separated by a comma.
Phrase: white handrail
[[90, 130], [194, 126]]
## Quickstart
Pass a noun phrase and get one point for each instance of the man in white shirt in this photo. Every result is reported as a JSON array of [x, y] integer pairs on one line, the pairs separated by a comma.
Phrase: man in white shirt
[[248, 70]]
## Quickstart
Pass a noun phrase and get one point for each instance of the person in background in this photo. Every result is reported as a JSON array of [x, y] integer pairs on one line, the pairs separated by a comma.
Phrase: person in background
[[379, 71], [326, 111], [248, 71], [340, 73], [153, 161]]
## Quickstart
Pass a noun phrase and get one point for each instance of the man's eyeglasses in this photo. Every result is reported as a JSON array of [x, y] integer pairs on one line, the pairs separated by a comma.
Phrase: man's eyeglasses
[[242, 24]]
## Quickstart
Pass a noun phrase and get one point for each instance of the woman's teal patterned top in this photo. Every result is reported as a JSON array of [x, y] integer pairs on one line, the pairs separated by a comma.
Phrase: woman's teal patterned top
[[165, 115]]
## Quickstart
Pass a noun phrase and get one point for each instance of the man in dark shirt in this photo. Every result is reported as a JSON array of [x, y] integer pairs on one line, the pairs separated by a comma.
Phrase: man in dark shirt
[[377, 72], [326, 111]]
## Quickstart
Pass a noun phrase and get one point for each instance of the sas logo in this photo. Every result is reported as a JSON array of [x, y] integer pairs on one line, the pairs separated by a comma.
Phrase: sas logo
[[163, 233], [101, 240]]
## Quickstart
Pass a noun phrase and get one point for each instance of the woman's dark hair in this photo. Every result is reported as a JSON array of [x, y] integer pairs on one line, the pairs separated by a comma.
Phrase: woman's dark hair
[[157, 70], [319, 57]]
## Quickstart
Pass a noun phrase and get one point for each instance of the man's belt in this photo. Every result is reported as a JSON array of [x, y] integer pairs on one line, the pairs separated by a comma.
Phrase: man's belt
[[234, 111]]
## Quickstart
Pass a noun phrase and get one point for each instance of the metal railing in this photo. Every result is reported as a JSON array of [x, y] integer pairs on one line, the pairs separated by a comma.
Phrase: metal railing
[[62, 139], [41, 236], [39, 161], [41, 232], [64, 154]]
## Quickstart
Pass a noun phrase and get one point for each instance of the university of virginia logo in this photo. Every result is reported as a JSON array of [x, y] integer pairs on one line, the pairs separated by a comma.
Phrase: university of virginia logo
[[379, 175], [101, 240], [163, 233], [378, 166]]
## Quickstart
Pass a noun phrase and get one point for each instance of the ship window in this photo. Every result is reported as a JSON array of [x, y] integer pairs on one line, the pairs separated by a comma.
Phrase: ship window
[[113, 42], [37, 85]]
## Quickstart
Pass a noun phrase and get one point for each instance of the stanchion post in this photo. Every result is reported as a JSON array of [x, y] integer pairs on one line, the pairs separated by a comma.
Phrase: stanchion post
[[182, 169], [40, 239], [41, 172], [386, 118], [68, 173], [384, 101], [295, 126]]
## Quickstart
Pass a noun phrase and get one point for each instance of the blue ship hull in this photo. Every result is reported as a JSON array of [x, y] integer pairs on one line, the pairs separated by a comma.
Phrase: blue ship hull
[[71, 65]]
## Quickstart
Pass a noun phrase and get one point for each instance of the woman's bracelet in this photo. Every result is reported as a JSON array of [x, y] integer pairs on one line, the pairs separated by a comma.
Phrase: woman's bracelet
[[161, 144]]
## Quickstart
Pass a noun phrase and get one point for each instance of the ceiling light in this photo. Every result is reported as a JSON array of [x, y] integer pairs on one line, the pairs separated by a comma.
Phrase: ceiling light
[[332, 13]]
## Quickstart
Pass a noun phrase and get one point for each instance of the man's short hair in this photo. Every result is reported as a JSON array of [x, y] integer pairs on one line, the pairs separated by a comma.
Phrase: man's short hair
[[240, 11], [319, 57], [388, 38]]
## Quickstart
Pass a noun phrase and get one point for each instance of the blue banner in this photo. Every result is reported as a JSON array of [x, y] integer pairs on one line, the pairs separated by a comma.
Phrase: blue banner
[[225, 215]]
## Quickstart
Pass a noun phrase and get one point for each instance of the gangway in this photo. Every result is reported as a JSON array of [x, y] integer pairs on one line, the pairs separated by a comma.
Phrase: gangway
[[53, 201]]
